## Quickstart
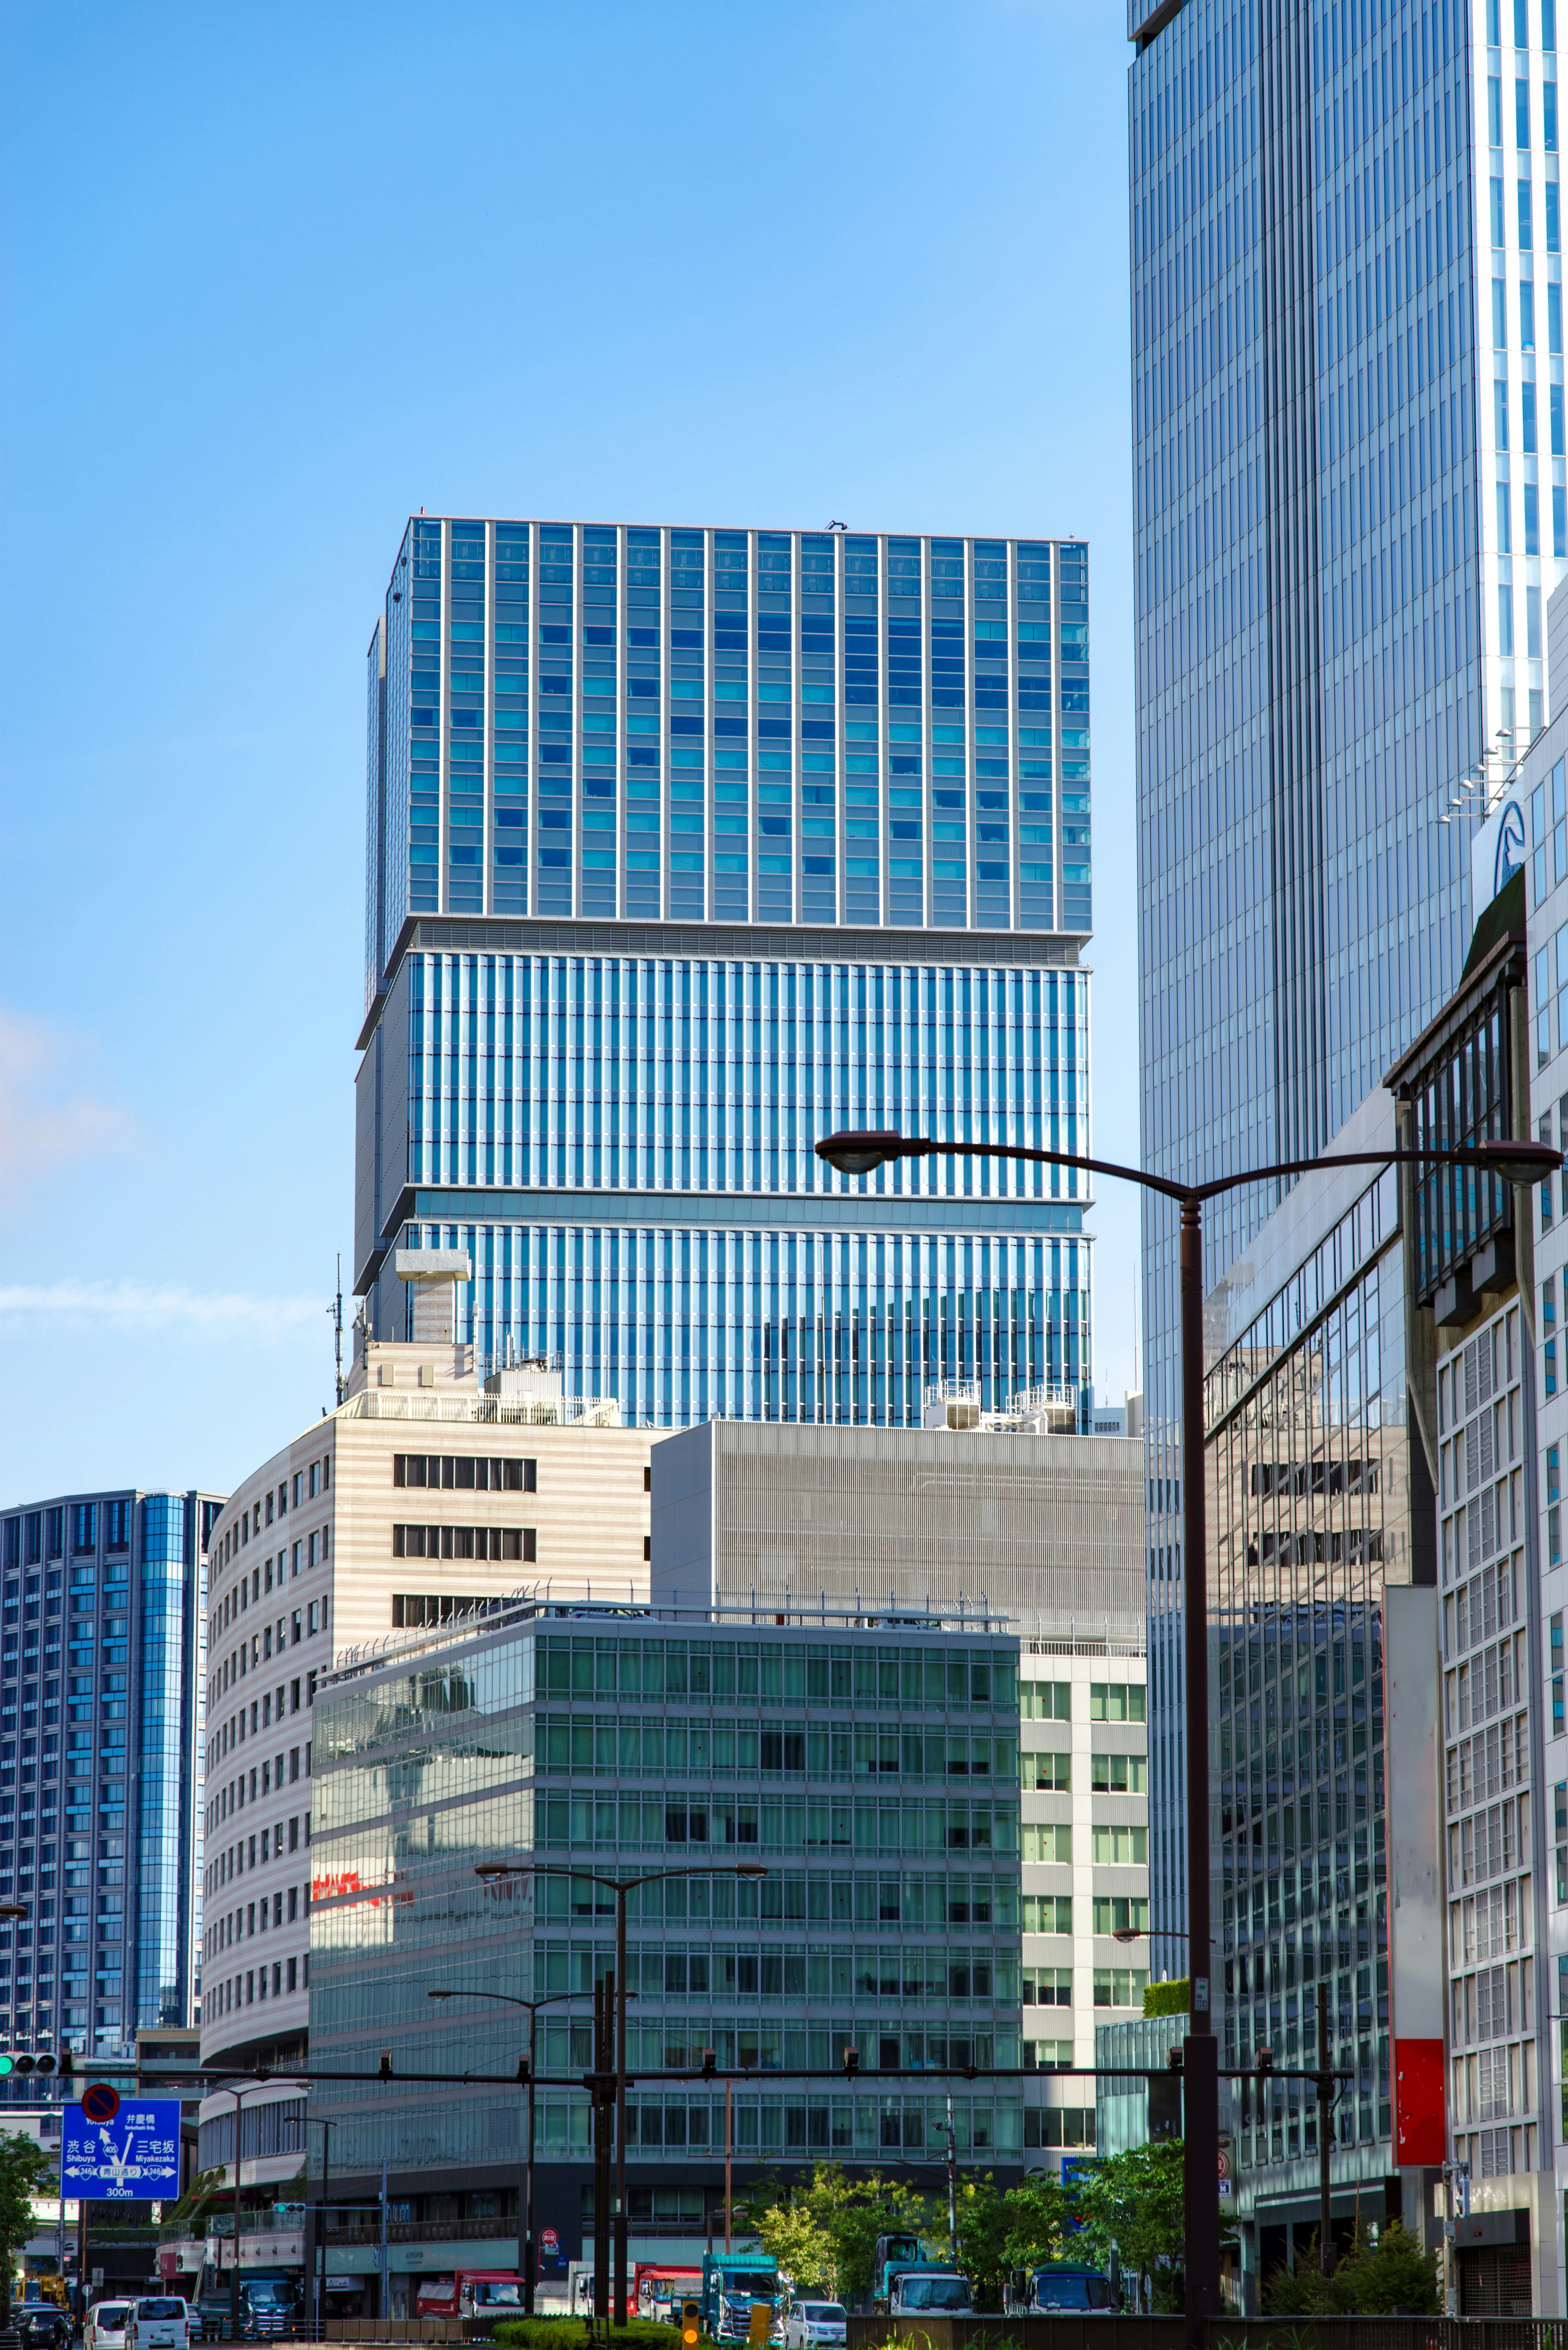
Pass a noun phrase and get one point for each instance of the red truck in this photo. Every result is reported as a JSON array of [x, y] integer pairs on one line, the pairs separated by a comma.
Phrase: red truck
[[471, 2293], [657, 2287]]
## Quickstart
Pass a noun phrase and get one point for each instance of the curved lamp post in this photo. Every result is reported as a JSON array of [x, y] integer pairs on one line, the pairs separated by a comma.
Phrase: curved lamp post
[[1516, 1161], [526, 2231], [492, 1870]]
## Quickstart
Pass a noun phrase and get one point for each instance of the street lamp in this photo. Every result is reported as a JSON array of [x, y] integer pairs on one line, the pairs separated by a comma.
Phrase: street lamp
[[1515, 1161], [526, 2231], [492, 1871]]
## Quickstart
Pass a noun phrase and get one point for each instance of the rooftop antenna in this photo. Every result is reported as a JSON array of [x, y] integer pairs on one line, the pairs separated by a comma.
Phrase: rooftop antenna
[[335, 1316]]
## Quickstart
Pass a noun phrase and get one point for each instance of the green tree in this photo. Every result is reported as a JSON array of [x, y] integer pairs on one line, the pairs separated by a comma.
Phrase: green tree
[[985, 2225], [1040, 2213], [1372, 2278], [25, 2171], [843, 2215], [1134, 2200]]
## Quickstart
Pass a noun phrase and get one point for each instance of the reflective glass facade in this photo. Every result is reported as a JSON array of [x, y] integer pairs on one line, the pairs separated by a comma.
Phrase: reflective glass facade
[[739, 726], [685, 847], [1309, 1482], [100, 1724], [623, 1144], [874, 1778], [1350, 502]]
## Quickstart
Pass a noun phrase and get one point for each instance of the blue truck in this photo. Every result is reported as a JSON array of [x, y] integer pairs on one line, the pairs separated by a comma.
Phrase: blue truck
[[732, 2282]]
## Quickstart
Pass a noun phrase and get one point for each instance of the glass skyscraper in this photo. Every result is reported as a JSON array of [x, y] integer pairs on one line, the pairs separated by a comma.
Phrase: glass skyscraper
[[1350, 503], [101, 1708], [684, 847]]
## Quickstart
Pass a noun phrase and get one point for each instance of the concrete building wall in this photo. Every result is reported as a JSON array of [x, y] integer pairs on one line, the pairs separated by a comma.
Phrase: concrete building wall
[[1046, 1529], [306, 1574]]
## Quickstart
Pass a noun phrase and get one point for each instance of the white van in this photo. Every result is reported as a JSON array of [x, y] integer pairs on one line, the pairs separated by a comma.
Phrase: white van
[[161, 2322], [106, 2325]]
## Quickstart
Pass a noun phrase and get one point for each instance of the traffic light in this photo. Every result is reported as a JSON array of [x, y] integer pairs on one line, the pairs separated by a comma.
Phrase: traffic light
[[851, 2062], [1173, 2060], [709, 2064], [1265, 2060], [688, 2325], [18, 2061], [522, 2070]]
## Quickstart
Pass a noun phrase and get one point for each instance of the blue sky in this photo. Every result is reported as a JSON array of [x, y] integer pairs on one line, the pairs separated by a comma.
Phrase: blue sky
[[273, 280]]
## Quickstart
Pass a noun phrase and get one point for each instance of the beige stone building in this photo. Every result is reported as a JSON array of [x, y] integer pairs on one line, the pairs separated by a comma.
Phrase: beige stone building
[[428, 1496]]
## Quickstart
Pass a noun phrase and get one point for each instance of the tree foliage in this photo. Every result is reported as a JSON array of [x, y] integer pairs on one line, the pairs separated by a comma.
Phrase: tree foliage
[[823, 2229], [1372, 2278], [25, 2171], [1134, 2200]]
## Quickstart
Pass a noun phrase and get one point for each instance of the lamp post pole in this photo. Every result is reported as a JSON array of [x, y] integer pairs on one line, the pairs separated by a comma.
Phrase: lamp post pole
[[318, 2281], [620, 1886], [526, 2210], [1519, 1162]]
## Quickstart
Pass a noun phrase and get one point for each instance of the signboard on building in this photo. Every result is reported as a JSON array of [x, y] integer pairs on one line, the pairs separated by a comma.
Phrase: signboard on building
[[1499, 847], [126, 2160]]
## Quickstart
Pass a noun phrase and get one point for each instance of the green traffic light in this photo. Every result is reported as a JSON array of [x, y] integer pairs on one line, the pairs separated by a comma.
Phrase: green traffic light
[[5, 2066]]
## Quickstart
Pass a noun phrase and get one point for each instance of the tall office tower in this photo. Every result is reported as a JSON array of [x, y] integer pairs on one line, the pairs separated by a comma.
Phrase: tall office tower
[[101, 1710], [684, 848], [1350, 499]]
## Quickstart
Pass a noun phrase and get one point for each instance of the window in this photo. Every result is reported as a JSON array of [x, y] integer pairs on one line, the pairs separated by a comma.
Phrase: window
[[458, 1473], [1047, 1913], [1120, 1986], [1121, 1913], [1116, 1702], [1050, 1773], [1046, 1700], [1548, 1333], [465, 1542], [1121, 1847], [1556, 1659], [1553, 1510], [84, 1525], [1048, 1841], [1119, 1774], [1047, 1986]]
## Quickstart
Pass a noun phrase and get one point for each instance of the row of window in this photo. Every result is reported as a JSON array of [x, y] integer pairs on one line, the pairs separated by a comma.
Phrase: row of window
[[1051, 1841], [465, 1542], [1113, 1774], [313, 1550], [768, 1826], [1112, 1986], [953, 1676], [907, 1971], [238, 1991], [307, 1485], [283, 1907], [1109, 1700], [462, 1473], [235, 1859], [653, 1748], [39, 1535]]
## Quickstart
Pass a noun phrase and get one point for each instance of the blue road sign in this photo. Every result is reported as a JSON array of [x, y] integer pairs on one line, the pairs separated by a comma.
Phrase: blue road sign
[[127, 2159]]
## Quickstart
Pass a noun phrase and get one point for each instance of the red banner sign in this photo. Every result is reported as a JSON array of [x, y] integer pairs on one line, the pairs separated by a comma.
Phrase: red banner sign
[[1420, 2132]]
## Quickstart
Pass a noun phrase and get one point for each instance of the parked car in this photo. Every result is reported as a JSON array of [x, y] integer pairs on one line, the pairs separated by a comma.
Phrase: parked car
[[810, 2323], [104, 2325], [158, 2322]]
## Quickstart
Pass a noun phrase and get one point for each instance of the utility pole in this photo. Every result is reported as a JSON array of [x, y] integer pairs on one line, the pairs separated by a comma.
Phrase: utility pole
[[385, 2256], [604, 2124], [729, 2159], [1325, 2086], [953, 2186]]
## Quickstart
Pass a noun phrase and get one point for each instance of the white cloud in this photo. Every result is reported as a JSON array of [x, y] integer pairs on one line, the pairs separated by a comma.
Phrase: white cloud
[[161, 1305], [43, 1121]]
